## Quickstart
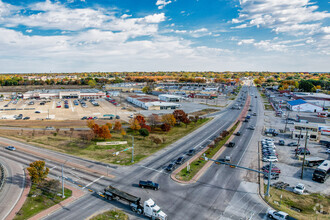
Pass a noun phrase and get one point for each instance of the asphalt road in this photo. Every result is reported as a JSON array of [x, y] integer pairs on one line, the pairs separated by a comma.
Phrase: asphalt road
[[211, 197]]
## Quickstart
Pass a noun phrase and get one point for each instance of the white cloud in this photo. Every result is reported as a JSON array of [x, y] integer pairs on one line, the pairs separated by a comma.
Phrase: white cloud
[[162, 3], [29, 31], [246, 41], [282, 16]]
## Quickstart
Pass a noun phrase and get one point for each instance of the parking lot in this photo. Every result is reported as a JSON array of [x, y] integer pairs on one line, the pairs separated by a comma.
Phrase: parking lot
[[59, 110], [290, 164]]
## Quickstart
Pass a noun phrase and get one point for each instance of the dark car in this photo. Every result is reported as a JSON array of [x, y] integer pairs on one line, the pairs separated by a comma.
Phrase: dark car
[[180, 160], [273, 176], [191, 152], [26, 118], [12, 148], [117, 117], [66, 106], [293, 144], [37, 112], [246, 120], [281, 142], [149, 184], [302, 152], [170, 167], [84, 118], [238, 133], [231, 144]]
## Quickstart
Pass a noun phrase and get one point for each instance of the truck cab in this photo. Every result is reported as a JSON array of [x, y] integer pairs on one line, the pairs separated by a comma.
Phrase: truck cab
[[153, 211]]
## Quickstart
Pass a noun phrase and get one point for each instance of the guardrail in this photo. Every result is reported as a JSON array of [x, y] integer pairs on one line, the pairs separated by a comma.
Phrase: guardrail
[[2, 177]]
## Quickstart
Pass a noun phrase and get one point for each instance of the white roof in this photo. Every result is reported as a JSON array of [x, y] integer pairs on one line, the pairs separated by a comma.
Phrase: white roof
[[170, 96], [161, 104]]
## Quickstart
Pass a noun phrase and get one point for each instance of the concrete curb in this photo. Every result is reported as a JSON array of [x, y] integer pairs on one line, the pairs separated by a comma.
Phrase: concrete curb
[[216, 155], [22, 199]]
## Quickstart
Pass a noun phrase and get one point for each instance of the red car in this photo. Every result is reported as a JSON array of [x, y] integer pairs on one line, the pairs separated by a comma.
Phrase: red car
[[275, 169]]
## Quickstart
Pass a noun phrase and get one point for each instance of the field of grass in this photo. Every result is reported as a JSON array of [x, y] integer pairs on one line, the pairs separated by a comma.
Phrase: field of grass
[[310, 205], [268, 107], [38, 201], [197, 164], [111, 215], [143, 147]]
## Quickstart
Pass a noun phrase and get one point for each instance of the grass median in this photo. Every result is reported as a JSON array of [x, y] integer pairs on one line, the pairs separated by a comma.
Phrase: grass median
[[111, 215], [74, 143], [39, 200], [300, 206], [198, 164]]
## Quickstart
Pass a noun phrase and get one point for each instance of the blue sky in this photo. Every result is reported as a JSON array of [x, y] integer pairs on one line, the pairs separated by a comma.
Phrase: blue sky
[[164, 35]]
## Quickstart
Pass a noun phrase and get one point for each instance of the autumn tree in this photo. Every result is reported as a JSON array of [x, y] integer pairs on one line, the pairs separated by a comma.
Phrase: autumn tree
[[104, 132], [166, 127], [169, 119], [135, 125], [90, 124], [92, 83], [144, 132], [180, 115], [146, 89], [117, 126], [96, 130], [153, 120], [123, 132], [146, 127], [37, 171], [186, 121], [140, 119], [109, 125]]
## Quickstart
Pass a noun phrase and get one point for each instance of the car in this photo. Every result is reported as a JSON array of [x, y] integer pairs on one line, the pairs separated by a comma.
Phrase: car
[[148, 184], [327, 151], [275, 169], [270, 159], [94, 118], [245, 120], [281, 142], [84, 118], [302, 152], [26, 118], [250, 109], [90, 118], [238, 133], [191, 152], [273, 176], [117, 117], [5, 106], [254, 114], [180, 160], [227, 159], [231, 144], [170, 167], [66, 106], [290, 122], [37, 112], [299, 189], [12, 148], [293, 144], [251, 127]]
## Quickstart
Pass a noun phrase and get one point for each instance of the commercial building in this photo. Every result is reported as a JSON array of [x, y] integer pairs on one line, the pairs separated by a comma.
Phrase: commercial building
[[150, 103], [319, 99], [170, 98], [64, 94], [301, 129], [300, 105]]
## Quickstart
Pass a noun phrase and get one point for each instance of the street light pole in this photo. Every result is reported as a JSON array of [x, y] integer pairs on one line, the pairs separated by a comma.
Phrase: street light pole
[[303, 164], [132, 149], [63, 196]]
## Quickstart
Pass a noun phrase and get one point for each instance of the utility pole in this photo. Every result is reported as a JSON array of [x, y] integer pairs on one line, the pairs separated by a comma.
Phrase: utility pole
[[298, 141], [303, 164], [63, 196], [132, 148], [286, 122]]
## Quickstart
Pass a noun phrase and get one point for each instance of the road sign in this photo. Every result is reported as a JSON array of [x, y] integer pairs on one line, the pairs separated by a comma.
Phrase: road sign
[[111, 143]]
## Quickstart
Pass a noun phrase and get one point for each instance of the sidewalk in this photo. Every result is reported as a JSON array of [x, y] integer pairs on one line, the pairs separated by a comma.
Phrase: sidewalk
[[21, 201]]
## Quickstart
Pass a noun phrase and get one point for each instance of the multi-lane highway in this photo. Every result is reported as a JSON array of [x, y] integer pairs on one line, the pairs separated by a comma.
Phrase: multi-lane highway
[[220, 193]]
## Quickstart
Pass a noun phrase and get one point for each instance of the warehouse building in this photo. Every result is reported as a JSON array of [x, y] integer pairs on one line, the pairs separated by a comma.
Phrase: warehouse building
[[150, 103], [64, 94], [300, 105], [170, 98]]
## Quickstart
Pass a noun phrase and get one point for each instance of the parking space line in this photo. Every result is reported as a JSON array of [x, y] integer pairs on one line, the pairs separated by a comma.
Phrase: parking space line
[[93, 182]]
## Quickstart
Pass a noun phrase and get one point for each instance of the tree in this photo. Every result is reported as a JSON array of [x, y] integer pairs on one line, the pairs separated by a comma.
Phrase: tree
[[96, 130], [135, 125], [166, 127], [140, 119], [153, 120], [146, 127], [104, 132], [117, 126], [92, 83], [90, 124], [169, 119], [37, 171], [156, 140], [146, 89], [123, 132], [180, 115], [109, 125], [306, 86], [144, 132], [186, 121]]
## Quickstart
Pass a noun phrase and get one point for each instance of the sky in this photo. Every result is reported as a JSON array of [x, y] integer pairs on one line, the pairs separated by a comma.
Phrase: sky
[[164, 35]]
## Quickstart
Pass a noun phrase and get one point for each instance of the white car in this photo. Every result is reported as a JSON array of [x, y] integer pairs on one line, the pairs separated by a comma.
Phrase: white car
[[270, 159], [299, 189]]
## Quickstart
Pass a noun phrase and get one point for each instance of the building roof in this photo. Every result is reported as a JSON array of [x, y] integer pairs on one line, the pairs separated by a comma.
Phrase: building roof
[[296, 102], [312, 119], [170, 96], [159, 103]]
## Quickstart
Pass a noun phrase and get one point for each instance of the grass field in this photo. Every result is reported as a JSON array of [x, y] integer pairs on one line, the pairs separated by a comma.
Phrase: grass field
[[38, 201], [111, 215], [310, 205], [197, 164], [143, 147]]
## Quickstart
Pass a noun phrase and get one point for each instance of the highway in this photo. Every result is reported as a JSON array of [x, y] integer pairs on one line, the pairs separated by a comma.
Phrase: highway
[[221, 193]]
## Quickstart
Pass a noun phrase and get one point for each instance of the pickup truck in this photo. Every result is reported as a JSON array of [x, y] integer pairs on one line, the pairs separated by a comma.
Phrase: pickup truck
[[279, 215], [149, 184]]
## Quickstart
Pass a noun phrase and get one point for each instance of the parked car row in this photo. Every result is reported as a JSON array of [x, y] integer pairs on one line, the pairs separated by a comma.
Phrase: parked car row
[[89, 118], [269, 150], [113, 101], [180, 160]]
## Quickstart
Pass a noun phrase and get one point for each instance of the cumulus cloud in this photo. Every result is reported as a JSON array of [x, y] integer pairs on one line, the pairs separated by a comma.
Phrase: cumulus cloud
[[162, 3]]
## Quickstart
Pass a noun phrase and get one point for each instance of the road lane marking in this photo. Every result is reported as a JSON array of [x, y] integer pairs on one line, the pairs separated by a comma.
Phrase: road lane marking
[[52, 168], [152, 169], [93, 182]]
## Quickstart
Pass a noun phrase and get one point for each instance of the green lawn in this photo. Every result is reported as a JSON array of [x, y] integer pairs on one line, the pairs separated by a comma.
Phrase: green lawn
[[268, 107], [38, 201], [197, 164], [111, 215], [143, 147], [308, 204]]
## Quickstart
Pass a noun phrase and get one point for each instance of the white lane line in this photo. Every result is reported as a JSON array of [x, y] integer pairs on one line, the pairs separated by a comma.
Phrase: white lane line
[[52, 168], [93, 182], [151, 169]]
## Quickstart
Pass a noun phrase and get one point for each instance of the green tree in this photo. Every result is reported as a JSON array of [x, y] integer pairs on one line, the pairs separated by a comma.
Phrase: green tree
[[92, 83], [146, 89], [144, 132], [306, 86], [37, 171]]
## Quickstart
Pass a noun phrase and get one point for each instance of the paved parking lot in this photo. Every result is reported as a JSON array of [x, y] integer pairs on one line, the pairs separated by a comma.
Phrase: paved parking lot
[[50, 110], [289, 164]]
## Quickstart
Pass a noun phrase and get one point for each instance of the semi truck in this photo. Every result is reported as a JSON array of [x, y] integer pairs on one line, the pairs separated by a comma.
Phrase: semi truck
[[149, 208]]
